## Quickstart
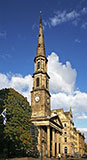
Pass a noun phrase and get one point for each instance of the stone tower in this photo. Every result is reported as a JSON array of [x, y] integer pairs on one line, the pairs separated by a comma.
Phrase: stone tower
[[49, 127], [40, 96]]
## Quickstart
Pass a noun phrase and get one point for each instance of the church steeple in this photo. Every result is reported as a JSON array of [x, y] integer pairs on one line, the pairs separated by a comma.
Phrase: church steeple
[[40, 96], [40, 45]]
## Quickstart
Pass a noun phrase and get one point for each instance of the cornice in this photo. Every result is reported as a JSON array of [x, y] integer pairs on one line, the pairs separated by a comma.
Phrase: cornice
[[41, 73], [39, 89]]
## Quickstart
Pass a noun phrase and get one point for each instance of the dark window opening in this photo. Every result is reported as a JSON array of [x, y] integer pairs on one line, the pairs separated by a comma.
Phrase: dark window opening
[[64, 124], [59, 147], [65, 150], [37, 82], [39, 45], [38, 65], [39, 35], [65, 139]]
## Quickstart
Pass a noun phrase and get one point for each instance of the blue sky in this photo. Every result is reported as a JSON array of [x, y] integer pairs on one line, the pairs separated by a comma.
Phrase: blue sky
[[19, 28], [65, 35]]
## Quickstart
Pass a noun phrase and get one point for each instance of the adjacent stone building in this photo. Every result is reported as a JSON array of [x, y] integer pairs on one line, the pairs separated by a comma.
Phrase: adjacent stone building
[[72, 140], [56, 132], [80, 143]]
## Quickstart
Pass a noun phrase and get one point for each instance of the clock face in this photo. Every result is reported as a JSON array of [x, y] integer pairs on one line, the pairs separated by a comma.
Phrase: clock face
[[48, 101], [37, 98]]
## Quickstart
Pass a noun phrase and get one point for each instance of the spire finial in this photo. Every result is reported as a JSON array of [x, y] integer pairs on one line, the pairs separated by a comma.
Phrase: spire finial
[[70, 109], [40, 16], [40, 46], [40, 13]]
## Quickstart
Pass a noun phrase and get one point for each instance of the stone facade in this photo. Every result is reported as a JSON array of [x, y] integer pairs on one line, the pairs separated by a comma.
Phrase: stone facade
[[80, 143], [49, 127], [72, 140], [56, 131]]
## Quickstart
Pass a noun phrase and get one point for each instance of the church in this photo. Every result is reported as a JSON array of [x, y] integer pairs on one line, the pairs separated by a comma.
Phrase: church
[[49, 123]]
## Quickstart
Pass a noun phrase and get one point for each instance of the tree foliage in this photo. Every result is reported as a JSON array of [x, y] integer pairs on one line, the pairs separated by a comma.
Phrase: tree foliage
[[16, 135]]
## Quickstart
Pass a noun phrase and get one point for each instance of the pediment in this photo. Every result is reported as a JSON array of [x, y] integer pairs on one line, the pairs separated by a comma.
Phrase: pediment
[[56, 120]]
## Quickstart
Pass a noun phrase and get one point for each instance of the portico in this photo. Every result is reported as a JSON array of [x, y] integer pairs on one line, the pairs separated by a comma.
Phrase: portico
[[48, 136]]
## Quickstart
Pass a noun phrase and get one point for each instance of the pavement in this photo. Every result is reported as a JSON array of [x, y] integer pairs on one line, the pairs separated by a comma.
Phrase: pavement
[[30, 158]]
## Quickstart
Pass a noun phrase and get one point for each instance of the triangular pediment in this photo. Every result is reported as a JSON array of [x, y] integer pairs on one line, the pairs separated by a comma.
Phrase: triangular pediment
[[56, 120]]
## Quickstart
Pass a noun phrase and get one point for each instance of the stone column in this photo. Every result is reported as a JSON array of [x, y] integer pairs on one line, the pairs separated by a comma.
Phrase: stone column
[[48, 141], [57, 144], [53, 142], [61, 144], [39, 139]]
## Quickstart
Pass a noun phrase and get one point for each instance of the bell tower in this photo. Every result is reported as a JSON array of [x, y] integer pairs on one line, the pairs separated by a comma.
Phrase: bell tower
[[40, 96]]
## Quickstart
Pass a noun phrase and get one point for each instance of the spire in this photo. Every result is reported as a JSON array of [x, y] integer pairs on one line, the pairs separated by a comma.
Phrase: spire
[[40, 17], [40, 45], [70, 110]]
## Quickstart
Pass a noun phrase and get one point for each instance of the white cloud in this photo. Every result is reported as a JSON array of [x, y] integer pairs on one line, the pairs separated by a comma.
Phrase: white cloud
[[83, 116], [78, 102], [4, 82], [62, 87], [83, 130], [63, 77], [64, 16], [19, 83], [73, 16]]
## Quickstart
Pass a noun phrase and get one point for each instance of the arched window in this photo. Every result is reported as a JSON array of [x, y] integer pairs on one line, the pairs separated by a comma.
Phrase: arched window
[[38, 65], [37, 82], [65, 139], [65, 150]]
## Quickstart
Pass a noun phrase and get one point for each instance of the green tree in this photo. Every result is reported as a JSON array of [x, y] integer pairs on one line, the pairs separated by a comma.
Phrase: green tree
[[3, 95], [16, 135]]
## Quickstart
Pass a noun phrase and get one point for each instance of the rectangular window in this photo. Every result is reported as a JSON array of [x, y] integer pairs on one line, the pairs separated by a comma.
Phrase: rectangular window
[[64, 124], [65, 139], [37, 82]]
